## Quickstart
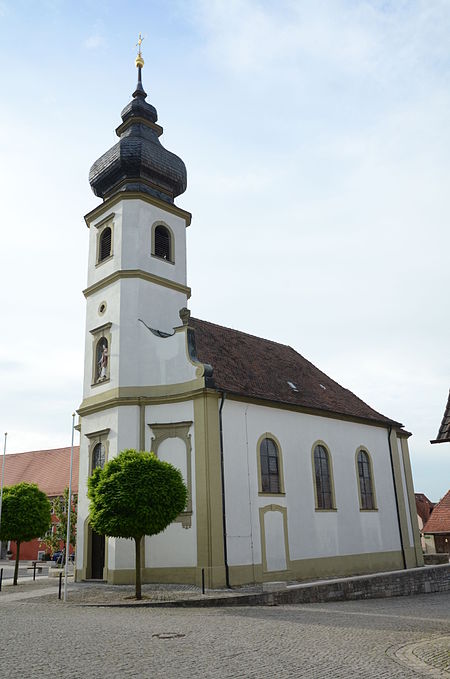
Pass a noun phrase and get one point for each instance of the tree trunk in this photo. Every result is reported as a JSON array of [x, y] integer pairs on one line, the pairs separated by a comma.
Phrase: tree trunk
[[16, 567], [137, 542]]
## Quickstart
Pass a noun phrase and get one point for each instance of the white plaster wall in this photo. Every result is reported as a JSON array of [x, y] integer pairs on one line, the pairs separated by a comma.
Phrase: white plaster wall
[[156, 305], [311, 533], [176, 546], [405, 493], [166, 413], [107, 419], [132, 231], [145, 358], [97, 272], [173, 450], [274, 538], [111, 296]]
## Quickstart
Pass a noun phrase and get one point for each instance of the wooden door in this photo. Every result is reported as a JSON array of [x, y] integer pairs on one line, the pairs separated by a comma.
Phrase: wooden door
[[97, 555]]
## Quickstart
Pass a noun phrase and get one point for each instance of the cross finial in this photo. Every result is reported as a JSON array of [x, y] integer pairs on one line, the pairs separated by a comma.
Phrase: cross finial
[[139, 58], [138, 44]]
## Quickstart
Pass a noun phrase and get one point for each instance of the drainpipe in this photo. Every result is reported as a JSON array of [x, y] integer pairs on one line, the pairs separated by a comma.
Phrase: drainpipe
[[224, 519], [396, 499]]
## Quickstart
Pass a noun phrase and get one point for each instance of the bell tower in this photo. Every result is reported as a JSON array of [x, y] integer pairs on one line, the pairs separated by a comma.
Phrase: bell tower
[[135, 290]]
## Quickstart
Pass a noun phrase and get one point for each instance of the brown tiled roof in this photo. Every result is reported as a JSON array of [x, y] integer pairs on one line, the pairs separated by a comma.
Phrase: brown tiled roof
[[48, 468], [424, 506], [250, 366], [439, 521], [444, 429]]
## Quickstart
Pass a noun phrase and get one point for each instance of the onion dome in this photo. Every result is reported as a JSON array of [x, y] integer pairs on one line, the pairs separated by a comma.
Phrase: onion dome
[[139, 162]]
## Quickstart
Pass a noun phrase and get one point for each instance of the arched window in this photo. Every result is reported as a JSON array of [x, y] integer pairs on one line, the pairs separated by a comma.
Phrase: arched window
[[104, 249], [98, 456], [270, 466], [366, 493], [163, 243], [322, 474], [101, 360]]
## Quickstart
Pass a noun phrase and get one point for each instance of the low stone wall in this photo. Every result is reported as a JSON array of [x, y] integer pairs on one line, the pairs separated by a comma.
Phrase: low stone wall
[[422, 580], [435, 559], [398, 583]]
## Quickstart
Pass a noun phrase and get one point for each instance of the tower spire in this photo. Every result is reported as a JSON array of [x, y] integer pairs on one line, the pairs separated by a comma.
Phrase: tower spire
[[139, 91]]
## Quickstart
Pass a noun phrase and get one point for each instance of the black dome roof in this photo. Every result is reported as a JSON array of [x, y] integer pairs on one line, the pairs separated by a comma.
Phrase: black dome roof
[[139, 162]]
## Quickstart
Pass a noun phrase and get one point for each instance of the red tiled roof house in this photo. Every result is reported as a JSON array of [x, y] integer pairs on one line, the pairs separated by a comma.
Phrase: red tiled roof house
[[438, 525], [49, 469]]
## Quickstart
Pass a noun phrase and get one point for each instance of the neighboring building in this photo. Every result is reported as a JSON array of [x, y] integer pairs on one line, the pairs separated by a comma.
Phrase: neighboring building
[[49, 469], [444, 430], [437, 529], [424, 508], [289, 474]]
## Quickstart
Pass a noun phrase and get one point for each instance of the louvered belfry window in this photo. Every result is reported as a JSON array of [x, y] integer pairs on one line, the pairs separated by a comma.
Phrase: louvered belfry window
[[365, 481], [105, 244], [270, 468], [162, 243], [323, 478]]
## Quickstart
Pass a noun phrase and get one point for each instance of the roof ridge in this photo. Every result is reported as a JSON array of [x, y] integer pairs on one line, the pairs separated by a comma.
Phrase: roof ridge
[[44, 450], [248, 334]]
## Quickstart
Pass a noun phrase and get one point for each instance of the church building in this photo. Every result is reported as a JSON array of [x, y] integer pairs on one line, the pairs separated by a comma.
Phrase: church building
[[290, 476]]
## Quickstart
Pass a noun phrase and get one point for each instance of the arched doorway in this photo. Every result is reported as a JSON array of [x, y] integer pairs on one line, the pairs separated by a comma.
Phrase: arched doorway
[[97, 555]]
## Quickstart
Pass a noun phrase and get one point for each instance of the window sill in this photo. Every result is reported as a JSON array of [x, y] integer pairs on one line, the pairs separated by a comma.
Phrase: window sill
[[332, 509], [97, 384], [374, 509], [266, 493], [162, 259], [102, 261]]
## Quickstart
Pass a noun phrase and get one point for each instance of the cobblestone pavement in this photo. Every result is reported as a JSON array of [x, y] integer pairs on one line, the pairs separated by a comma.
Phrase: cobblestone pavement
[[406, 637]]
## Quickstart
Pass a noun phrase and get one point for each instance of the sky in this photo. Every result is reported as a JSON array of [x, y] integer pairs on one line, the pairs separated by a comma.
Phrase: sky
[[316, 137]]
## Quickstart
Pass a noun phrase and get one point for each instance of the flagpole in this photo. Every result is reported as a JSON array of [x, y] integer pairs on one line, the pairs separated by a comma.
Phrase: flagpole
[[69, 505], [1, 491]]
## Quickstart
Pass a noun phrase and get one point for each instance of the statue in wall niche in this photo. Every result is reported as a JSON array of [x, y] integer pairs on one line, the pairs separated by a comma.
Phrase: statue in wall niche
[[102, 359]]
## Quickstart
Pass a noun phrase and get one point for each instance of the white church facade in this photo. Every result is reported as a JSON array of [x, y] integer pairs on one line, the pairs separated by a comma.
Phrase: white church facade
[[290, 476]]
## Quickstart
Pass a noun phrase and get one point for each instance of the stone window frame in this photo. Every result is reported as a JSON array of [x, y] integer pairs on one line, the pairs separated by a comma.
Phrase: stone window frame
[[374, 508], [96, 437], [102, 331], [160, 222], [262, 527], [333, 507], [272, 437], [176, 430], [107, 222]]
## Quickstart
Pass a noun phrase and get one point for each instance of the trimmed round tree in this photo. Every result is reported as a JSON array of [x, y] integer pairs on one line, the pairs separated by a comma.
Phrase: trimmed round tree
[[133, 495], [25, 515]]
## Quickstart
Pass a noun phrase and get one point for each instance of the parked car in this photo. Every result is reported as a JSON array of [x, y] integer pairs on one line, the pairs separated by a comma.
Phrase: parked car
[[58, 556]]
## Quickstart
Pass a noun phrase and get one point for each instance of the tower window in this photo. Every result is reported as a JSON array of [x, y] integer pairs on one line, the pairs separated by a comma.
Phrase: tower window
[[163, 243], [104, 250]]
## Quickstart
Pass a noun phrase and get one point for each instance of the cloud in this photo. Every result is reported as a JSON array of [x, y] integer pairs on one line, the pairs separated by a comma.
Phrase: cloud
[[94, 41]]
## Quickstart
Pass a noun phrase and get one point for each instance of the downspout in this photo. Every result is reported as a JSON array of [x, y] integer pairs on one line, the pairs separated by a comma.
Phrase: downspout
[[224, 519], [396, 499]]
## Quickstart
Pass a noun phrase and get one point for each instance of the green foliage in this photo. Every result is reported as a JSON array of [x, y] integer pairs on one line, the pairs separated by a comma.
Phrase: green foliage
[[135, 494], [59, 505], [25, 513]]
